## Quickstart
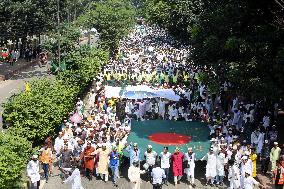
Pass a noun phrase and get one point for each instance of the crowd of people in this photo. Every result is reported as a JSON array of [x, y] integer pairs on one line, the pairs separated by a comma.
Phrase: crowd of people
[[12, 55], [9, 56], [243, 134]]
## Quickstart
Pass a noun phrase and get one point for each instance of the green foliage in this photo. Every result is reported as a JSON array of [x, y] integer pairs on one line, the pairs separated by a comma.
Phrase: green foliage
[[241, 40], [14, 150], [41, 110], [112, 19], [19, 18], [69, 37], [177, 16]]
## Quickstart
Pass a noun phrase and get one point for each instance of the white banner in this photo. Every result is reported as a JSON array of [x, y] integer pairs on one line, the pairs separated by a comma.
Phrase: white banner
[[140, 92]]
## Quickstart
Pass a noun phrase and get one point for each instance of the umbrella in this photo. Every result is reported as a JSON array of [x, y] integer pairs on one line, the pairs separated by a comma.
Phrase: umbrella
[[76, 118]]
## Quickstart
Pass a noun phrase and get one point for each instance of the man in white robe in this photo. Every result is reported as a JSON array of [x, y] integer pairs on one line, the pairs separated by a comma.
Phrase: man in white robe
[[245, 167], [189, 157], [141, 110], [92, 98], [221, 161], [33, 172], [249, 181], [211, 166], [59, 143], [162, 108], [134, 175], [75, 178], [234, 175]]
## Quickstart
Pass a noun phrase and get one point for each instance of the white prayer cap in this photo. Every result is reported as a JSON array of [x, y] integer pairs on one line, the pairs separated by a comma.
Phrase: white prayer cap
[[275, 143], [99, 145], [35, 156], [190, 149], [212, 140], [244, 158], [273, 125], [135, 144], [222, 138], [247, 153], [266, 141], [150, 146]]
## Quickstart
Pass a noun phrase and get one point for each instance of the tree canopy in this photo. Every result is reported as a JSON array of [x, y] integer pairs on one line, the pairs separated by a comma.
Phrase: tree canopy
[[19, 18], [112, 19], [242, 40]]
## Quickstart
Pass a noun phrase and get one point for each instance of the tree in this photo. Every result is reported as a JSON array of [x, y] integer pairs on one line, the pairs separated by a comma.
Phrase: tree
[[112, 19], [241, 40], [14, 150]]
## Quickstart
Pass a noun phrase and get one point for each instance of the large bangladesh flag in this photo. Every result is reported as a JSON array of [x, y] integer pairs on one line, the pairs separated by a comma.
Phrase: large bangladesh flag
[[160, 133]]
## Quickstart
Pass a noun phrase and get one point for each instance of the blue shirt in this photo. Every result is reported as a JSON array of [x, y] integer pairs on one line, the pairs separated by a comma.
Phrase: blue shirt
[[114, 159], [133, 155]]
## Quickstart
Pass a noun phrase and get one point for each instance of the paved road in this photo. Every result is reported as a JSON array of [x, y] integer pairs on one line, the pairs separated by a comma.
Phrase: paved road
[[123, 183], [16, 84]]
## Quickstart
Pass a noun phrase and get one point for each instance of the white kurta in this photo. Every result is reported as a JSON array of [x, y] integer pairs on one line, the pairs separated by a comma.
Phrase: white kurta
[[220, 165], [249, 182], [247, 167], [165, 160], [191, 162], [58, 144], [75, 178], [134, 176], [33, 171], [211, 166], [162, 108], [92, 98], [234, 177]]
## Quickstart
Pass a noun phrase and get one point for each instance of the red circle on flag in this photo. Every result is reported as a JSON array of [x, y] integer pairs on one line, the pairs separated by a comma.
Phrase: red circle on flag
[[170, 139]]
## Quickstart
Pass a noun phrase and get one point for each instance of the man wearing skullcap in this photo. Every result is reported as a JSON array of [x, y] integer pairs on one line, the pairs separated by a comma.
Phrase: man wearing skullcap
[[33, 172], [274, 155], [150, 157], [211, 166], [177, 159], [114, 165], [189, 159], [88, 159], [103, 163]]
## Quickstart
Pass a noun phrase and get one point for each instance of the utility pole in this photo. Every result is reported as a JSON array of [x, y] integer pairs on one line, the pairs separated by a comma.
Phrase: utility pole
[[89, 32], [58, 32]]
